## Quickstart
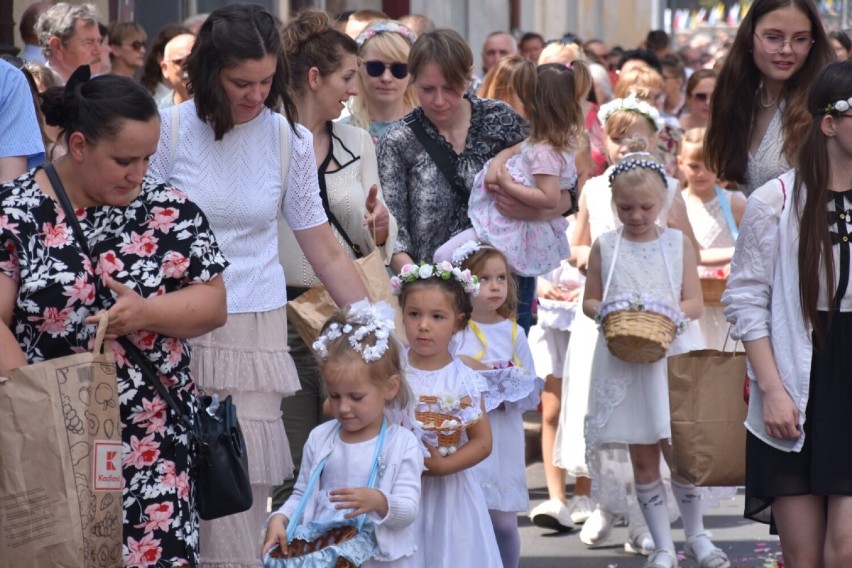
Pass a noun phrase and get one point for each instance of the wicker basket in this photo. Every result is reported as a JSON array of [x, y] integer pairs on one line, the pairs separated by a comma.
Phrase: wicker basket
[[712, 289], [337, 535], [433, 418], [638, 336]]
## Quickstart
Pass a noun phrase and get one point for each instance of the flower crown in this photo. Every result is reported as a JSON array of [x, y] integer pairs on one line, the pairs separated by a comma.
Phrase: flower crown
[[628, 163], [466, 249], [632, 104], [362, 319], [386, 26], [443, 270], [840, 106]]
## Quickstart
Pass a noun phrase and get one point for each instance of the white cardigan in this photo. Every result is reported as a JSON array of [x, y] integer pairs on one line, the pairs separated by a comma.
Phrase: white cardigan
[[399, 481], [762, 299]]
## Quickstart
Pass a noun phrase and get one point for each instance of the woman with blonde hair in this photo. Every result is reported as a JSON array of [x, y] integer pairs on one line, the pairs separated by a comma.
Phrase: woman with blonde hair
[[385, 91]]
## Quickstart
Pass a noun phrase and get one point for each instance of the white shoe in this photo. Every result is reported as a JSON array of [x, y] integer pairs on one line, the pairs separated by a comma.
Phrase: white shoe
[[597, 528], [552, 514], [581, 509]]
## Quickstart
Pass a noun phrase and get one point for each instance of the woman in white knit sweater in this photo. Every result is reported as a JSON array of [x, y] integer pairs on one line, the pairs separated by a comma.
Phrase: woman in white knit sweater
[[242, 163]]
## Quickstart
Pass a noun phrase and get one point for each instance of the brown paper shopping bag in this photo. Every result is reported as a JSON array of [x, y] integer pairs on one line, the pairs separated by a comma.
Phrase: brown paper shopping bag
[[60, 463], [707, 412], [310, 311]]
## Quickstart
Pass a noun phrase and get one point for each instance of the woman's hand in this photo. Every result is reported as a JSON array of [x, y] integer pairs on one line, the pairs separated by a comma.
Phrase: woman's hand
[[362, 499], [550, 291], [276, 533], [377, 217], [780, 415], [127, 314]]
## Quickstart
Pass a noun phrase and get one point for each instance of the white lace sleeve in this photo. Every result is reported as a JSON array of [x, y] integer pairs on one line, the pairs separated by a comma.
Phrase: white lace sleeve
[[302, 206], [160, 166], [749, 291]]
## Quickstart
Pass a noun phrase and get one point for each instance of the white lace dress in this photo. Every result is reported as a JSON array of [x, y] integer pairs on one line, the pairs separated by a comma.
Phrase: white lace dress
[[629, 402], [712, 231], [513, 389], [768, 161], [453, 524]]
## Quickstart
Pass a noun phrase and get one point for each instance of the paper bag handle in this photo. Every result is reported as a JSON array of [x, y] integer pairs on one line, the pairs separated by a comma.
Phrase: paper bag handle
[[101, 333]]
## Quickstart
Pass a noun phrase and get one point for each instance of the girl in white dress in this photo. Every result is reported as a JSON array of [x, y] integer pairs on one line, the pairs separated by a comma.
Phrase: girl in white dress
[[715, 216], [453, 527], [361, 364], [628, 403], [494, 344]]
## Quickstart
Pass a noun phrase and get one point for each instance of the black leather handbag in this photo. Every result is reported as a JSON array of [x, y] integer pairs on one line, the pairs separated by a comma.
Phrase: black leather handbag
[[222, 484]]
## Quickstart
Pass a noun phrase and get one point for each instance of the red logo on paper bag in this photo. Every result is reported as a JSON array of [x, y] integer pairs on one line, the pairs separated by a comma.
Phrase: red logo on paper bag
[[107, 466]]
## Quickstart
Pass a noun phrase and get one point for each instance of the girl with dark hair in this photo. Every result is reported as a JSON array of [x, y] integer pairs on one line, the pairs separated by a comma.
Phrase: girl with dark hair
[[758, 112], [159, 285], [699, 89], [841, 44], [246, 165], [789, 300]]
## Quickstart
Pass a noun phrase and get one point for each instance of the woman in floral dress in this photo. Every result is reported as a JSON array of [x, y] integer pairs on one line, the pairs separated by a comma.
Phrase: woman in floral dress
[[155, 267]]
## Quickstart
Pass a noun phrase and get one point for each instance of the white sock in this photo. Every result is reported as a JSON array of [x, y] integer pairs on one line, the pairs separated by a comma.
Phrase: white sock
[[689, 502], [652, 502]]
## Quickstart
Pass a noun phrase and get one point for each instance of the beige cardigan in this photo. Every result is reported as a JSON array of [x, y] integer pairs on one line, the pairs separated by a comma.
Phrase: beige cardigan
[[347, 190]]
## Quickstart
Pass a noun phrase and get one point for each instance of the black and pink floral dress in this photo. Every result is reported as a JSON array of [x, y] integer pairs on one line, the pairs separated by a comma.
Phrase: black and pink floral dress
[[158, 244]]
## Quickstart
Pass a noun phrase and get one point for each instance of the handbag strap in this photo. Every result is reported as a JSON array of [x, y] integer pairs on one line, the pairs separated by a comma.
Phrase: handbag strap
[[615, 256], [726, 212], [132, 351], [315, 475], [439, 155]]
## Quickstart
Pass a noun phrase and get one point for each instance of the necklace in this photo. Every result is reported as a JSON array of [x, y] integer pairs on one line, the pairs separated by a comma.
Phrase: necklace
[[760, 92]]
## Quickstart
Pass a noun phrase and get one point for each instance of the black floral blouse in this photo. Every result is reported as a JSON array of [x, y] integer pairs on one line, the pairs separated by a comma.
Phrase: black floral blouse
[[418, 195], [158, 244]]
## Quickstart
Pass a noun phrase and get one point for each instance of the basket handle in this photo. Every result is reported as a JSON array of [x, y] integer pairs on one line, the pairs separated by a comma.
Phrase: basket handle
[[315, 475], [619, 231]]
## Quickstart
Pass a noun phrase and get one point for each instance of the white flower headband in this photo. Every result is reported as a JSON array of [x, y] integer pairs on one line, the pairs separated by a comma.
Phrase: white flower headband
[[443, 270], [632, 104], [628, 164], [840, 106], [376, 319], [386, 26], [465, 250]]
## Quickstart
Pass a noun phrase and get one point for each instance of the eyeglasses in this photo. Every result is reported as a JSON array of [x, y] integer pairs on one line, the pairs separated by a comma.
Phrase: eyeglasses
[[137, 45], [774, 43], [703, 97], [377, 68]]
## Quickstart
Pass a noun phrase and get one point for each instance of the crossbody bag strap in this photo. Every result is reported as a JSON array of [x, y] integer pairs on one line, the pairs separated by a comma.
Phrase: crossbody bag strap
[[317, 472], [726, 212], [439, 155], [131, 350]]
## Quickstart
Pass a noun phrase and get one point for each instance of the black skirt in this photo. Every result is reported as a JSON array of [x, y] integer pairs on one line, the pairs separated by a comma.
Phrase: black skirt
[[824, 465]]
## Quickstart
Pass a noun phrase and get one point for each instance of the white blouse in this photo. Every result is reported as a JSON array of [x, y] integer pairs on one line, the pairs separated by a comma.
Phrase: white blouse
[[237, 183]]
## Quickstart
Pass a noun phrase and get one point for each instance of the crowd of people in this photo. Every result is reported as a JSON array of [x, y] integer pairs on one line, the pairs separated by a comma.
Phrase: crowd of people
[[235, 161]]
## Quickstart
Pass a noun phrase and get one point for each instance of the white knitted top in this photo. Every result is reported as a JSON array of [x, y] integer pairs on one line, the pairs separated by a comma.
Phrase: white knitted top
[[237, 184]]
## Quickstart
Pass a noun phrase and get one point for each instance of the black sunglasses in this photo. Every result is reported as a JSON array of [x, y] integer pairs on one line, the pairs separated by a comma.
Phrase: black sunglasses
[[137, 45], [377, 68]]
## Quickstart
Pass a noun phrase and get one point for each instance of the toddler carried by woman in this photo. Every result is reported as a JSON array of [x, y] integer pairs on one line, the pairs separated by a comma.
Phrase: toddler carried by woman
[[535, 173]]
